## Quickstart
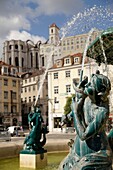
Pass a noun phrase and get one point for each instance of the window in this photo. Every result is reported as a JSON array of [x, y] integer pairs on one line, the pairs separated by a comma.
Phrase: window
[[79, 71], [55, 75], [25, 89], [77, 46], [5, 82], [42, 61], [26, 81], [68, 88], [56, 100], [76, 59], [33, 78], [51, 30], [16, 61], [29, 99], [33, 98], [67, 42], [30, 80], [55, 89], [14, 95], [67, 61], [16, 46], [25, 99], [29, 88], [81, 40], [5, 107], [14, 108], [34, 88], [77, 41], [14, 71], [72, 42], [67, 73], [10, 47], [64, 48], [21, 90], [57, 121], [5, 94], [14, 83], [5, 69]]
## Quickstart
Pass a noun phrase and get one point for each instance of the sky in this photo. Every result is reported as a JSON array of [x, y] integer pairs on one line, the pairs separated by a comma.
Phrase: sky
[[30, 19]]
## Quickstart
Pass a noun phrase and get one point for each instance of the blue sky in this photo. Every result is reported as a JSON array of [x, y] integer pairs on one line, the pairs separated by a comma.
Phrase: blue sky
[[30, 19]]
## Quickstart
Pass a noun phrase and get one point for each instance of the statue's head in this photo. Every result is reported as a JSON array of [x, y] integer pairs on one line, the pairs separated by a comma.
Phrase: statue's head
[[101, 85], [37, 109], [98, 88]]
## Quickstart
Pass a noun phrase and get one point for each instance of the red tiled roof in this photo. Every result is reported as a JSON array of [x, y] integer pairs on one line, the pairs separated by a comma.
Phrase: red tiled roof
[[53, 25], [3, 63]]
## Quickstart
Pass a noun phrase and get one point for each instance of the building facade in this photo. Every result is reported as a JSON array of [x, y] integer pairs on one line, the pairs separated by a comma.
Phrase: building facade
[[34, 92], [26, 55], [60, 85], [10, 102]]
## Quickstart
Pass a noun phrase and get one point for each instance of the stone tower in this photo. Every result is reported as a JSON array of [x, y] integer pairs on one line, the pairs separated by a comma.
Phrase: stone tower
[[54, 34]]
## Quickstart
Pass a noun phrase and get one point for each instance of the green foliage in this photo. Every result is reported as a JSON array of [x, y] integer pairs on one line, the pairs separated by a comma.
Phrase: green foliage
[[67, 107]]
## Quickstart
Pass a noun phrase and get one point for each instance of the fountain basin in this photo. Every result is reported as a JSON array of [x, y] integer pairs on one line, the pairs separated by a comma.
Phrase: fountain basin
[[12, 149], [54, 160]]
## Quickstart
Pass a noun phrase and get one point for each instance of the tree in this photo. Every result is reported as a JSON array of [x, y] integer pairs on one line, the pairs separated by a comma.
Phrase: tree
[[67, 107], [67, 110]]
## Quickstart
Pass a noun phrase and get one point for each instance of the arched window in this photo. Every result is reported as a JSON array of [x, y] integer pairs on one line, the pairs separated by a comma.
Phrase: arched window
[[16, 61], [37, 65], [31, 59], [42, 61], [22, 62], [10, 61], [51, 30], [10, 47], [16, 46]]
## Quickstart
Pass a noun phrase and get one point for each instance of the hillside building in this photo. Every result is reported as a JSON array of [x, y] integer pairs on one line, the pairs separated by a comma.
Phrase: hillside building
[[10, 95]]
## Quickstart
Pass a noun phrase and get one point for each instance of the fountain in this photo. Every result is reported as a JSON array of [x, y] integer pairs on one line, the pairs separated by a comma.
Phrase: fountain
[[89, 150], [90, 111], [33, 154]]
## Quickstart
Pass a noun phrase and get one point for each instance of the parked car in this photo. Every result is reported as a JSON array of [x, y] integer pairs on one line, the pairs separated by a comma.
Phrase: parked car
[[4, 134], [16, 131]]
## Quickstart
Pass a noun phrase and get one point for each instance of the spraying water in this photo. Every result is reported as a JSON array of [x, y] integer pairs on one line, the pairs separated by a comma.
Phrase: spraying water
[[104, 55], [85, 50], [98, 17], [95, 17], [43, 78]]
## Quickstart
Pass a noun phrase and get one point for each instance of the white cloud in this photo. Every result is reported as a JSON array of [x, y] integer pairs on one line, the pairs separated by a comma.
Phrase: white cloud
[[23, 35], [66, 7]]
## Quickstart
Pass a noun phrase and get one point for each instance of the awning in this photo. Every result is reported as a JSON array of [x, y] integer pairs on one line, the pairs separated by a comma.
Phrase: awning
[[95, 49]]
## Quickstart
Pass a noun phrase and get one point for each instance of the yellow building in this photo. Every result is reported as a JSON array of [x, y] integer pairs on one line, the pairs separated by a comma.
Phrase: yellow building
[[10, 102], [34, 91]]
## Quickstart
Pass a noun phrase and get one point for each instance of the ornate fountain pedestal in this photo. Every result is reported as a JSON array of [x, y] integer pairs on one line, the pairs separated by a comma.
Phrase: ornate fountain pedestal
[[34, 161], [33, 154]]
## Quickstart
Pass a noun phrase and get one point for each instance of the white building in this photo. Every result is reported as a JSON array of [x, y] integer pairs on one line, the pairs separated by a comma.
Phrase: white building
[[60, 85]]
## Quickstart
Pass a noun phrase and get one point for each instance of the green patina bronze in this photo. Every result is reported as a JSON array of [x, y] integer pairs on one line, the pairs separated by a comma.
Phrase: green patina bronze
[[95, 49], [92, 148], [33, 143], [90, 111]]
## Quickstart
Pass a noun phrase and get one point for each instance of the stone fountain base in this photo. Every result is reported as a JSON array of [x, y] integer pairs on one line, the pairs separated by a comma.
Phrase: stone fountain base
[[33, 160]]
